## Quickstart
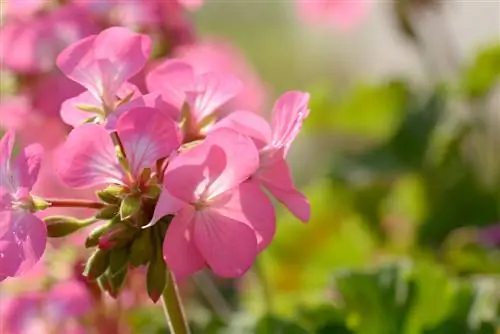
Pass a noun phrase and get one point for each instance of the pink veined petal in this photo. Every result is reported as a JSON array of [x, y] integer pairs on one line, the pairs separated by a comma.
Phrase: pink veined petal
[[211, 92], [27, 166], [172, 79], [72, 115], [223, 161], [88, 158], [250, 205], [24, 244], [278, 180], [288, 114], [179, 250], [228, 246], [7, 186], [167, 204], [6, 146], [249, 124], [147, 135]]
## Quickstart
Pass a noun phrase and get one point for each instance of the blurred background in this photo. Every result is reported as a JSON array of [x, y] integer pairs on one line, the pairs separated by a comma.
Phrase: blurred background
[[400, 158]]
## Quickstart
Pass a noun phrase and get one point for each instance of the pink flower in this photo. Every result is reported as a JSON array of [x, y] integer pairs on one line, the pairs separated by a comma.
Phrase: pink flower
[[88, 157], [204, 93], [221, 56], [38, 312], [23, 236], [220, 219], [22, 8], [274, 141], [30, 45], [102, 64], [343, 14]]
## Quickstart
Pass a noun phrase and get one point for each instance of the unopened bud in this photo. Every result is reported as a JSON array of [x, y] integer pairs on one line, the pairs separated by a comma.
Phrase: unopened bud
[[108, 212], [96, 264], [156, 278], [111, 194], [141, 250], [39, 204], [93, 238], [118, 259], [153, 192], [61, 226], [116, 236], [130, 206], [116, 282]]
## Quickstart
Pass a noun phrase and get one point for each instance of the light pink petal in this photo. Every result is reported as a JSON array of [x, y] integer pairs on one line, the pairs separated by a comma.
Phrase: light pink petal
[[228, 246], [147, 135], [250, 205], [23, 245], [7, 186], [172, 79], [88, 158], [27, 166], [167, 204], [211, 92], [68, 299], [288, 114], [191, 4], [179, 250], [278, 180], [6, 146], [74, 116], [223, 161], [249, 124], [152, 100], [342, 14]]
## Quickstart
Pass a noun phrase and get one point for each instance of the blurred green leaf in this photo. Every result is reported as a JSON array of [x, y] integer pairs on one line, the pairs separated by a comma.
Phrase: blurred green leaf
[[483, 73], [274, 325]]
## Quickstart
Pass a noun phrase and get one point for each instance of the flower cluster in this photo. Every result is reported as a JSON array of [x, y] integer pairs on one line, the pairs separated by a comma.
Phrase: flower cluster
[[183, 179]]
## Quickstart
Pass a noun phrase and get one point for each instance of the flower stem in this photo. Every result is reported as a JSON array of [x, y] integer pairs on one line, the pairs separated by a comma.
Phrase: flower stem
[[74, 203], [172, 306]]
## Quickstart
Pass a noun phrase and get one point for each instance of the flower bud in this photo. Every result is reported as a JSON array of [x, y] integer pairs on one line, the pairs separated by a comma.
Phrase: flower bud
[[111, 194], [39, 204], [116, 236], [108, 212], [141, 250], [156, 278], [61, 226], [96, 264], [118, 259], [153, 192], [130, 206], [116, 283], [93, 238]]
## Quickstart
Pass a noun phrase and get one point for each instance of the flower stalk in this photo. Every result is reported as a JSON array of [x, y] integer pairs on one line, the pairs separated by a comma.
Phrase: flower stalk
[[172, 306]]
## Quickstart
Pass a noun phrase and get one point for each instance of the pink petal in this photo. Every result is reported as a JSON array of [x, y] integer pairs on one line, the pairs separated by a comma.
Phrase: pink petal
[[211, 92], [288, 114], [249, 124], [278, 180], [172, 79], [68, 299], [223, 161], [191, 4], [27, 166], [6, 146], [229, 247], [167, 204], [72, 115], [23, 245], [343, 14], [179, 250], [88, 158], [147, 135], [250, 205]]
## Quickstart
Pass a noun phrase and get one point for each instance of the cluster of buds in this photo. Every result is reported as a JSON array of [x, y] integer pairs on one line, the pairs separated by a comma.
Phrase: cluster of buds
[[182, 183]]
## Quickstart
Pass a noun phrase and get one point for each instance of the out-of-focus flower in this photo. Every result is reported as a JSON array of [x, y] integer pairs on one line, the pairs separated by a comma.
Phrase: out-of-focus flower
[[23, 236], [55, 311], [21, 8], [342, 14], [274, 141], [220, 221], [30, 45], [89, 157], [203, 94], [220, 56]]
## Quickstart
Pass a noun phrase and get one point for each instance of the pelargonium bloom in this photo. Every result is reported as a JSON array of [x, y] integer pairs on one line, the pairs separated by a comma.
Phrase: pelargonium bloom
[[273, 142], [220, 220], [23, 236], [88, 157], [204, 94], [102, 64]]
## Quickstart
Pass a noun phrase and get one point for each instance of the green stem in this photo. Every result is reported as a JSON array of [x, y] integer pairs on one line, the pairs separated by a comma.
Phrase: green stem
[[172, 306], [74, 203]]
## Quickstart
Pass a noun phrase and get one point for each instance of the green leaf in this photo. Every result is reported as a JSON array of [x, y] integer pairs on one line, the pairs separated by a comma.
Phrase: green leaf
[[273, 325], [481, 76]]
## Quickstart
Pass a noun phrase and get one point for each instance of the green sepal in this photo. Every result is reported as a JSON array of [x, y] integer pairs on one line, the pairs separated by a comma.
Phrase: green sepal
[[130, 206], [111, 194], [97, 264], [156, 278], [38, 204], [118, 260], [141, 250], [108, 212]]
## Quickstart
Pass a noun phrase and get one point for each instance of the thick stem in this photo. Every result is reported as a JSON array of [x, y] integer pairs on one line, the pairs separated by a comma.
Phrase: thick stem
[[172, 306], [74, 203]]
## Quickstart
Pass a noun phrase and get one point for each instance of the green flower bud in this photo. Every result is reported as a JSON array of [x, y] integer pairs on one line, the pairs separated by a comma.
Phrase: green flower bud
[[141, 250], [118, 259], [93, 238], [130, 206], [61, 226], [108, 212], [156, 278], [39, 204], [153, 192], [117, 235], [111, 194], [97, 264], [116, 282]]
